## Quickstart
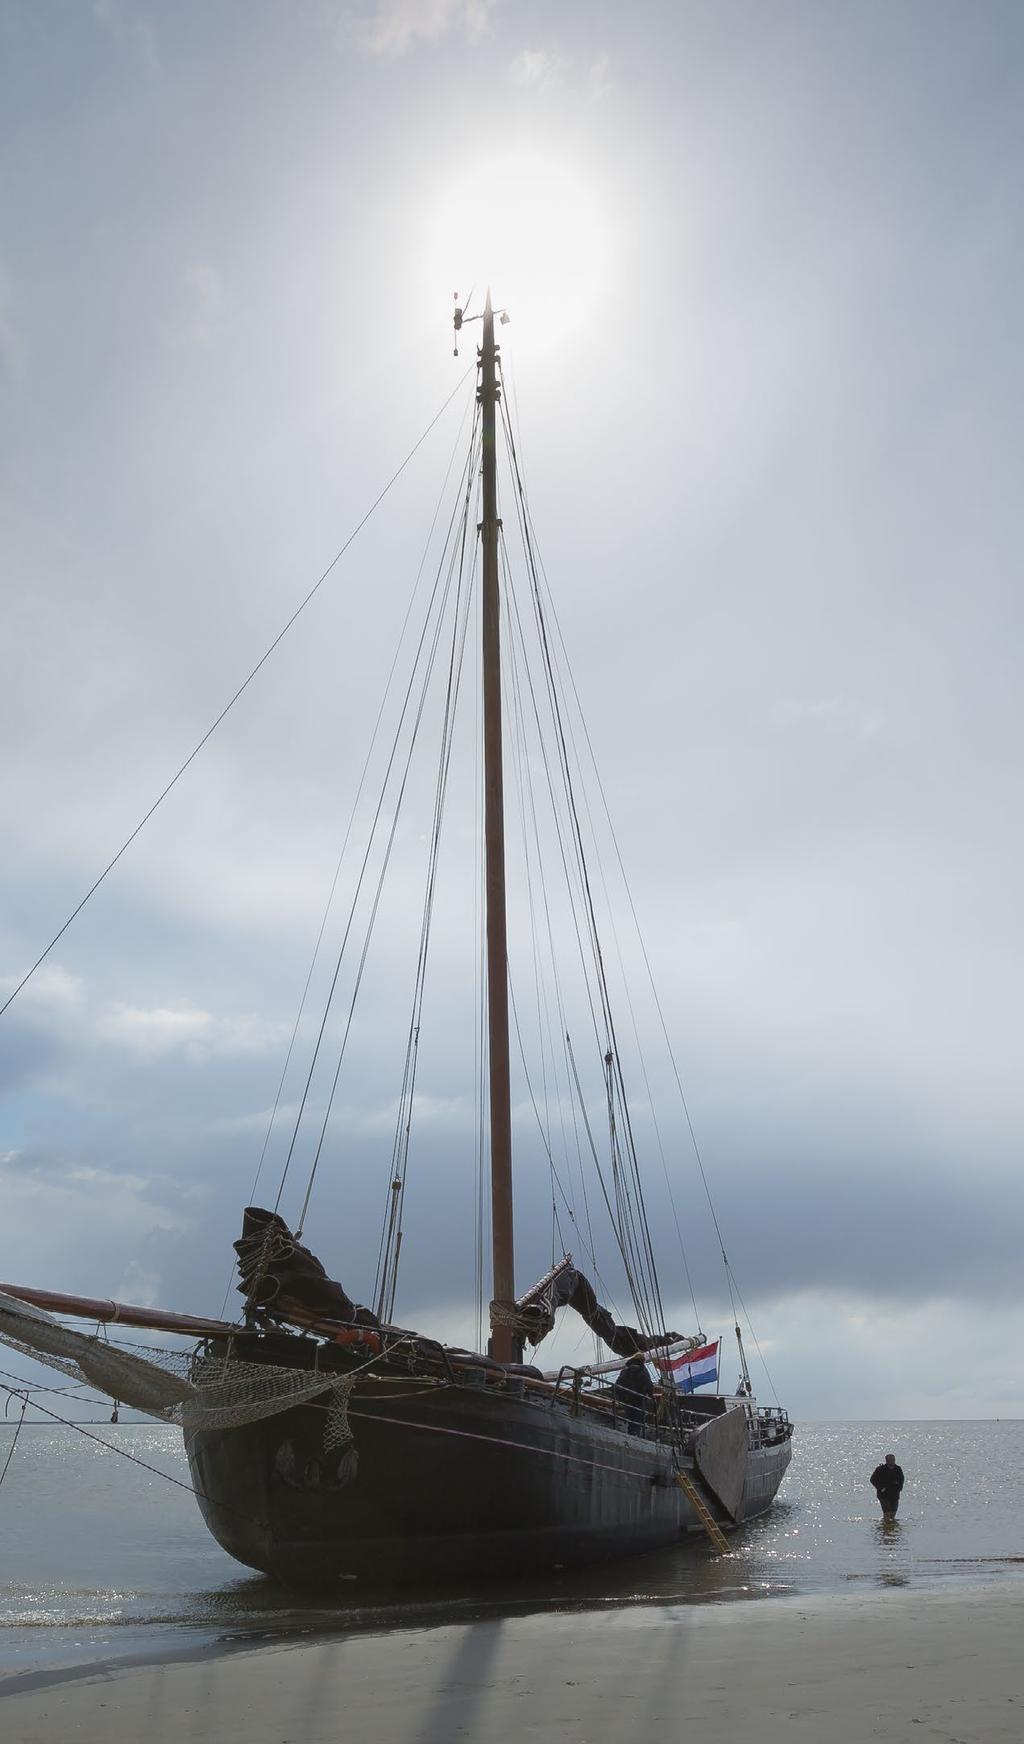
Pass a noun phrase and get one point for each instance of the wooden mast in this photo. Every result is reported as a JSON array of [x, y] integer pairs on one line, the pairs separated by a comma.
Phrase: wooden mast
[[503, 1346]]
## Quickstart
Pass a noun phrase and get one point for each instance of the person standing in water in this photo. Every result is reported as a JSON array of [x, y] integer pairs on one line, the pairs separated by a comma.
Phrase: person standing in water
[[888, 1482]]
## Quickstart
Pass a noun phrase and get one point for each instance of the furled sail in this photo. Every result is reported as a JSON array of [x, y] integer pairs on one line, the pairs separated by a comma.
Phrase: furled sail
[[568, 1288], [278, 1274]]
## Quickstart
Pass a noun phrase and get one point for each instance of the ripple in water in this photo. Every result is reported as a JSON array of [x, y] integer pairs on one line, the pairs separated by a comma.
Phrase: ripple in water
[[99, 1553]]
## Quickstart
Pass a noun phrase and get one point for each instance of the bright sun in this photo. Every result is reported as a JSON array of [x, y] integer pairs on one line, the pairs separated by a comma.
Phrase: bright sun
[[530, 227]]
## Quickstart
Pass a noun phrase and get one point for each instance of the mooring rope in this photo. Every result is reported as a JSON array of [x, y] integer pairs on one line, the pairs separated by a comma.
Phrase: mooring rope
[[111, 1447], [17, 1432], [261, 662]]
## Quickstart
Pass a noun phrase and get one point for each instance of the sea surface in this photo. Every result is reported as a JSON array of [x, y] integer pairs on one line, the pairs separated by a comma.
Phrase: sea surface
[[101, 1558]]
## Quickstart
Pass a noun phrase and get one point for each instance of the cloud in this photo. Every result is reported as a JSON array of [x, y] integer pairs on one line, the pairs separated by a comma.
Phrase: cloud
[[551, 69], [599, 76], [198, 319], [125, 23], [52, 990], [94, 1228], [396, 26], [841, 1354], [794, 613], [74, 1196], [449, 1114], [59, 1020], [539, 68], [189, 1030], [256, 1120], [48, 1008], [139, 1284], [829, 1355], [12, 351], [835, 712]]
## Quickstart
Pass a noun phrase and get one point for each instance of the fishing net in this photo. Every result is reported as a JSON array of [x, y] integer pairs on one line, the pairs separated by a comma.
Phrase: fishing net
[[200, 1391]]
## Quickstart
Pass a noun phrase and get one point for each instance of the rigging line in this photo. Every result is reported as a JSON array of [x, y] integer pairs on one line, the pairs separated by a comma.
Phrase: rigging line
[[556, 1178], [626, 1261], [757, 1347], [533, 1099], [644, 1238], [633, 1155], [112, 1447], [575, 835], [517, 688], [642, 1267], [646, 1243], [516, 622], [634, 1269], [639, 1265], [394, 826], [518, 733], [517, 625], [514, 649], [647, 1086], [624, 1199], [363, 955], [635, 917], [641, 1056], [576, 1136], [392, 1206], [352, 814], [483, 1086], [544, 1025], [428, 673], [478, 999], [520, 1446], [18, 1430], [70, 1392], [373, 828], [636, 1035], [454, 683], [261, 662], [653, 985], [460, 628]]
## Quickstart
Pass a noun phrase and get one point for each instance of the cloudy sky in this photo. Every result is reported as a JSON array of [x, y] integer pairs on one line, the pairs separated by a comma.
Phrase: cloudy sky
[[762, 262]]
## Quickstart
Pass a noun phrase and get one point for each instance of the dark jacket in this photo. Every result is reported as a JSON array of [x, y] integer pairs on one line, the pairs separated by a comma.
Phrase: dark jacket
[[887, 1477], [634, 1383]]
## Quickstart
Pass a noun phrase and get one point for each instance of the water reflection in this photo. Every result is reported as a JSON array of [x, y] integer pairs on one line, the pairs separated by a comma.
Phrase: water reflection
[[688, 1573], [894, 1560], [101, 1548]]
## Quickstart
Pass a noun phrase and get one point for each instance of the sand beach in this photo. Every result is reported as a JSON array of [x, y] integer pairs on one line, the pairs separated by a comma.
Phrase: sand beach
[[889, 1665]]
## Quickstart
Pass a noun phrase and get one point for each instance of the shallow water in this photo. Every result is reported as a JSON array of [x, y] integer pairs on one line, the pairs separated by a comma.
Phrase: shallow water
[[100, 1557]]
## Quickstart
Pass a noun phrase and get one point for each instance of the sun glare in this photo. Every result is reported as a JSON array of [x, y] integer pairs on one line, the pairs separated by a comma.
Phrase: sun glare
[[532, 228]]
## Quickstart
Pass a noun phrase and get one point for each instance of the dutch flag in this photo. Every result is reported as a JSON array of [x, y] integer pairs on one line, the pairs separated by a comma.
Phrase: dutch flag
[[691, 1368]]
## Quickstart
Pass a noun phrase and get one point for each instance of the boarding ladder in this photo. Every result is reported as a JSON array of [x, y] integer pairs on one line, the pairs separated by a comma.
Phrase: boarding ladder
[[703, 1512]]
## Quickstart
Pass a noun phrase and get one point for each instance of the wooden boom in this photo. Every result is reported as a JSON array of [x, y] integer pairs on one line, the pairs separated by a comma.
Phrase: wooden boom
[[123, 1313]]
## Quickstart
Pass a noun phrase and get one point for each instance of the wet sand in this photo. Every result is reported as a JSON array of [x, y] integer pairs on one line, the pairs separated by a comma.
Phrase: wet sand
[[885, 1665]]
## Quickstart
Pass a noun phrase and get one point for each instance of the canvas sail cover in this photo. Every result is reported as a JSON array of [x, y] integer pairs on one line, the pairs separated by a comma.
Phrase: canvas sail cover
[[570, 1289], [279, 1275]]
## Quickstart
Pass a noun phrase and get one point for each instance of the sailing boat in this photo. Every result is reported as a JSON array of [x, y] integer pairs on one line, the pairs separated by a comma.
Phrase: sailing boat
[[326, 1442]]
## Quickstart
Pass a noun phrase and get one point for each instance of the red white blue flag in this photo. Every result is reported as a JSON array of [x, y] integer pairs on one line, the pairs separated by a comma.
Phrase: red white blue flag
[[691, 1368]]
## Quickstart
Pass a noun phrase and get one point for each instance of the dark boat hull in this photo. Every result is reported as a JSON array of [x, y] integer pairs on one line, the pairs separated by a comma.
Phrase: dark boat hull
[[443, 1483]]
